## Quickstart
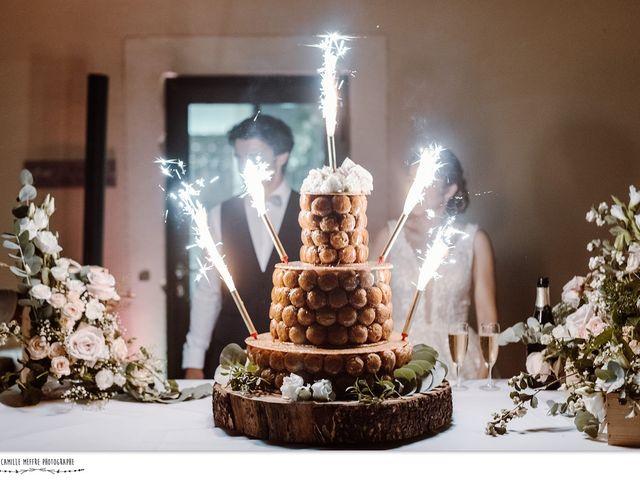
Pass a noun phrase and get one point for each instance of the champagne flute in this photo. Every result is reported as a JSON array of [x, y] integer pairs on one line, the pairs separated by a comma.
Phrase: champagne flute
[[458, 343], [489, 333]]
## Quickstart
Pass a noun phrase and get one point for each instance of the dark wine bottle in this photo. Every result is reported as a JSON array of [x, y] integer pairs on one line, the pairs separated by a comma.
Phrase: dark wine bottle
[[542, 311]]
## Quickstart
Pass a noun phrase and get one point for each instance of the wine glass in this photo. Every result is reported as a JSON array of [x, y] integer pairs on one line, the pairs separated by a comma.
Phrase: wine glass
[[489, 333], [458, 343]]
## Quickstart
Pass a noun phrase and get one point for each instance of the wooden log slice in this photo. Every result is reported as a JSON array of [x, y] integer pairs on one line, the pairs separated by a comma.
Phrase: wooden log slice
[[269, 417]]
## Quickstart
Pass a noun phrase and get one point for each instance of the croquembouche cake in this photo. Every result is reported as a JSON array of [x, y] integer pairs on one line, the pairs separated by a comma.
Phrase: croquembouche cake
[[331, 313]]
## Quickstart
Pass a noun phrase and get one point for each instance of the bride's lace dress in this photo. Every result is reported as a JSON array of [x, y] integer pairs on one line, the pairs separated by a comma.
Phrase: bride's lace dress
[[446, 299]]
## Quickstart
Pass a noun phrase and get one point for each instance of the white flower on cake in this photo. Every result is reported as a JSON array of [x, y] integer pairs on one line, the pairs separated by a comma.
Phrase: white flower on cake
[[40, 292], [38, 348], [104, 379], [289, 386], [303, 393], [60, 366], [323, 391], [348, 178], [87, 343], [47, 243]]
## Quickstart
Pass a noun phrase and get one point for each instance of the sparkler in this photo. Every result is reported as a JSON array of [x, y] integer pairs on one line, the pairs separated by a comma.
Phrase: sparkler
[[193, 208], [255, 173], [334, 47], [425, 175], [434, 257]]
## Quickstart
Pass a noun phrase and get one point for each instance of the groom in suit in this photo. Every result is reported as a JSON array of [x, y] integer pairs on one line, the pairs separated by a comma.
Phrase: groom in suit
[[249, 252]]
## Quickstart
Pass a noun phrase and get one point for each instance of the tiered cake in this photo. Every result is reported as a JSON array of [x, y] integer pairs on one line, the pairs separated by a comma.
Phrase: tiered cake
[[331, 313]]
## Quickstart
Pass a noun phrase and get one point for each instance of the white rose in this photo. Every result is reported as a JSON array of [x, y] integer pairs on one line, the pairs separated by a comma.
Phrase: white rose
[[59, 273], [60, 366], [577, 320], [101, 284], [119, 349], [75, 286], [537, 366], [119, 379], [56, 350], [634, 196], [633, 262], [72, 311], [40, 292], [87, 343], [40, 219], [289, 386], [38, 347], [104, 379], [595, 405], [66, 324], [47, 243], [323, 391], [57, 300], [560, 333], [94, 310], [572, 291]]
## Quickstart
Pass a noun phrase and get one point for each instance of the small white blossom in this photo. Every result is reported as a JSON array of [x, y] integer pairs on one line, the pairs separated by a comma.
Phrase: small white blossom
[[94, 310], [47, 243], [634, 196], [104, 379], [618, 213]]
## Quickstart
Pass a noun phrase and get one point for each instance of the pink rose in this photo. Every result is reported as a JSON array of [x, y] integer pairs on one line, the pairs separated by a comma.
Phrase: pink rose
[[119, 349], [87, 343], [576, 322], [57, 300], [72, 311], [595, 326], [60, 366], [102, 284], [572, 291], [56, 350], [38, 347]]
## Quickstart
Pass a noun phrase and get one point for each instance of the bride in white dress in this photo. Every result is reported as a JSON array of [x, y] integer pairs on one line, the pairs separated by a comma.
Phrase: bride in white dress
[[468, 274]]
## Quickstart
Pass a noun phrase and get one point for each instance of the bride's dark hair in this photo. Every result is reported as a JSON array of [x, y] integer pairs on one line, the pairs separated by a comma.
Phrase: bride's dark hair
[[451, 172]]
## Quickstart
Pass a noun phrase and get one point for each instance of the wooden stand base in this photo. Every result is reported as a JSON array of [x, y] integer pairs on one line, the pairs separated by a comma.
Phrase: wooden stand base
[[269, 417]]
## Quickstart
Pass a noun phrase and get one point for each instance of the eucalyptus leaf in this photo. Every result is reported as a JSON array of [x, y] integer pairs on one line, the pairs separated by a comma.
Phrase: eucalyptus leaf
[[27, 193], [233, 353], [405, 374], [25, 177], [28, 249], [35, 264], [424, 355], [417, 368], [18, 272], [421, 347], [20, 212], [587, 423], [8, 244]]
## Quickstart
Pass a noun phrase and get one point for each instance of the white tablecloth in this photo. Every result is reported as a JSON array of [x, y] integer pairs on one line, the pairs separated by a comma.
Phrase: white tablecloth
[[188, 426]]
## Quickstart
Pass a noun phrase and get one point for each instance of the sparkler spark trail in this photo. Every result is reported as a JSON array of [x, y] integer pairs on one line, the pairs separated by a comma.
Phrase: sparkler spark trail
[[428, 166], [255, 173], [433, 259], [333, 46], [187, 197]]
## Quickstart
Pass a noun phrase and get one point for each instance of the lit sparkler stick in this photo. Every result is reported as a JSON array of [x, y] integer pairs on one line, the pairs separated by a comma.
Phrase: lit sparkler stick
[[426, 174], [193, 208], [333, 48], [254, 174], [434, 257]]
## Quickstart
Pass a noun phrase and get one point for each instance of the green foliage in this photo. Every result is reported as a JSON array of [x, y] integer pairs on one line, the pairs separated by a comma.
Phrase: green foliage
[[587, 423], [373, 392]]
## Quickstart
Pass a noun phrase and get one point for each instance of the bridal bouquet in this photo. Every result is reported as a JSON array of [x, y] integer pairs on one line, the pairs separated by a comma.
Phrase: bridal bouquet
[[593, 347], [74, 343]]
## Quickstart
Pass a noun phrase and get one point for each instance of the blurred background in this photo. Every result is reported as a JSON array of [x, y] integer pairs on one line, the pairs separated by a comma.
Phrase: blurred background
[[540, 101]]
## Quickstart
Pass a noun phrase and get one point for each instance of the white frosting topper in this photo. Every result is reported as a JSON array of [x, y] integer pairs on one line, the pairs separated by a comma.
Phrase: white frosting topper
[[348, 178]]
